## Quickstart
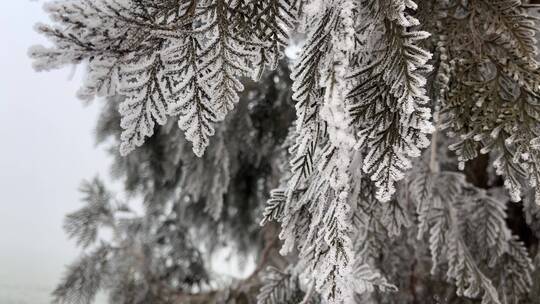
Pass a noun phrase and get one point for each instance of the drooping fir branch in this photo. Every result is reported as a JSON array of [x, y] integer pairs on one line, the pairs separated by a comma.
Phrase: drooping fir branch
[[388, 101], [307, 133], [491, 104], [467, 231], [321, 158], [146, 87], [272, 21], [193, 103], [308, 96], [126, 44]]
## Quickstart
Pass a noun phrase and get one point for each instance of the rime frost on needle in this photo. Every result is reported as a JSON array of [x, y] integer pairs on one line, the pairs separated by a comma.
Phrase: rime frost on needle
[[145, 87], [391, 79], [353, 173], [127, 43]]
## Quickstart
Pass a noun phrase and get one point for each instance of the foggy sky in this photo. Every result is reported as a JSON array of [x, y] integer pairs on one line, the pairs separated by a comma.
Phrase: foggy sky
[[46, 149]]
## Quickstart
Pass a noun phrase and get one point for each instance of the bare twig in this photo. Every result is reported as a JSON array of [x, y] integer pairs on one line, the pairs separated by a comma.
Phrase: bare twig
[[309, 294]]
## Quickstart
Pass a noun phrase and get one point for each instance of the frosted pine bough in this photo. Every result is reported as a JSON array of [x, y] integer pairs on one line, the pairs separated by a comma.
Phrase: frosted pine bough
[[365, 85]]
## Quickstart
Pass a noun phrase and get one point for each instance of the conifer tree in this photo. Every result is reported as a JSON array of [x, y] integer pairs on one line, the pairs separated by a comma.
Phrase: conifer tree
[[398, 161]]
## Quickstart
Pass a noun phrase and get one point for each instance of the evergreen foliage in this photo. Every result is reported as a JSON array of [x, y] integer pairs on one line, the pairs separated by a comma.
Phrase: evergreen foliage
[[368, 165]]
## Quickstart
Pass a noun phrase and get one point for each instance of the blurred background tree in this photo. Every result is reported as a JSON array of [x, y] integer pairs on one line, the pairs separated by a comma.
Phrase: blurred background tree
[[192, 207]]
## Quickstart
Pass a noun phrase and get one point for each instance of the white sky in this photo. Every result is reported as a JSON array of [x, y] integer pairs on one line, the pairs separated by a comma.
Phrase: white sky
[[46, 149]]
